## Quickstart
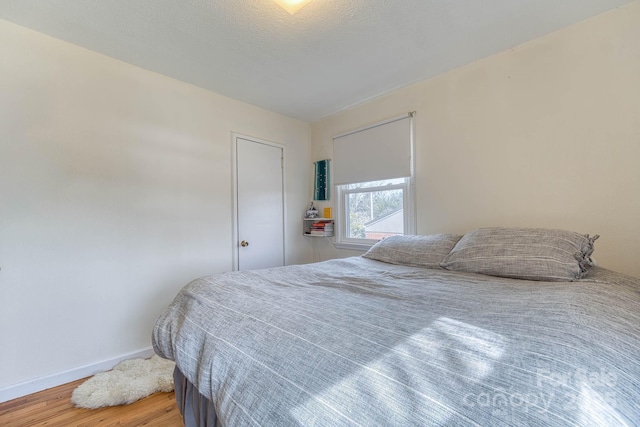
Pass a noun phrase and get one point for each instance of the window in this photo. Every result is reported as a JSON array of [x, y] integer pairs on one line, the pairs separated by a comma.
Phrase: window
[[371, 211], [374, 186]]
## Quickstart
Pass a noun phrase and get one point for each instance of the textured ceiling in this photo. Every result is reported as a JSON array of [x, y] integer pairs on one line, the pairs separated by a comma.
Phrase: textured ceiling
[[330, 55]]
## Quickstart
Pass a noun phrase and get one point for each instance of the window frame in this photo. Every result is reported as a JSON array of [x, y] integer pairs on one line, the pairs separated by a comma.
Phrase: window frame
[[342, 241]]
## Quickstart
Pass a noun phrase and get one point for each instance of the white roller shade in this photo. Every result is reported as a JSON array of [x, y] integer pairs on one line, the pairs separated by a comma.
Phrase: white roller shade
[[380, 151]]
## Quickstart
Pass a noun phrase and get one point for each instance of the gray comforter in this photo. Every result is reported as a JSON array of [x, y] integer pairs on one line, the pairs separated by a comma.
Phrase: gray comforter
[[360, 342]]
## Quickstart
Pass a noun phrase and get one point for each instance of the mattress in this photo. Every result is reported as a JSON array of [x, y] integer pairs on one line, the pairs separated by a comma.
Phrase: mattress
[[361, 342]]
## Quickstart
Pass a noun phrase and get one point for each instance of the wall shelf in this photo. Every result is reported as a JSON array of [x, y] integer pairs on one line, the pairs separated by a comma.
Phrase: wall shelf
[[318, 227]]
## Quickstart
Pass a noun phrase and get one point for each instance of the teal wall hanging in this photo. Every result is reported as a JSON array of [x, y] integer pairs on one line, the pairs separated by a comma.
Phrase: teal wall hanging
[[321, 188]]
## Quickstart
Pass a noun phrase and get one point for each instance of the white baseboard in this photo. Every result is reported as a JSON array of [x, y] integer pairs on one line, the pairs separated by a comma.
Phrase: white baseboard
[[38, 384]]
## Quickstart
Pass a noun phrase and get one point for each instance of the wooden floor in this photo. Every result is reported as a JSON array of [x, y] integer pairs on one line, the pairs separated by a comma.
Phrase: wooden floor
[[53, 407]]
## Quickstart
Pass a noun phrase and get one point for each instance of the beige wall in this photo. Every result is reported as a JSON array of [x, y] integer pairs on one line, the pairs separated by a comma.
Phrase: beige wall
[[115, 190], [546, 134]]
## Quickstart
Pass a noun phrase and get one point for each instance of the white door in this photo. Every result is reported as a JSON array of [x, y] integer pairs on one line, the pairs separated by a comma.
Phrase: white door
[[259, 204]]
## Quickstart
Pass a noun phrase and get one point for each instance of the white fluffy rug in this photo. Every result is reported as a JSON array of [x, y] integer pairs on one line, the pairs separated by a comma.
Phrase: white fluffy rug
[[129, 381]]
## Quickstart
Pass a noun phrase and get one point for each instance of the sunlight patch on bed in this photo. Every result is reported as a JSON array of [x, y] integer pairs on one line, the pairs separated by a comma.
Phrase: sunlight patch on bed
[[420, 377], [597, 407]]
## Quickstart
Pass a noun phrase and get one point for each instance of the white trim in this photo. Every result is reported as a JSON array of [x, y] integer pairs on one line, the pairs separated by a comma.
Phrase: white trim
[[408, 206], [234, 200], [234, 194], [412, 220], [43, 383], [339, 225], [352, 246]]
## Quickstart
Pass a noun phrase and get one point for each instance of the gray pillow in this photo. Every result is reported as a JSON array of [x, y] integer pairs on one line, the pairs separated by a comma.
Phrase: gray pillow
[[415, 251], [523, 253]]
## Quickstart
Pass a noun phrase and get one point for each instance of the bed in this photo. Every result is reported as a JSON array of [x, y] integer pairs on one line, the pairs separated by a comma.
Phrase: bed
[[422, 330]]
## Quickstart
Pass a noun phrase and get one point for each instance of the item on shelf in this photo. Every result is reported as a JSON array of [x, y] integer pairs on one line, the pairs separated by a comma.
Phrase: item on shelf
[[312, 212], [321, 228]]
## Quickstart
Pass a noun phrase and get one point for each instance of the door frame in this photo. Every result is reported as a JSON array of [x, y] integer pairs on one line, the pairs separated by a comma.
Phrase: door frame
[[234, 193]]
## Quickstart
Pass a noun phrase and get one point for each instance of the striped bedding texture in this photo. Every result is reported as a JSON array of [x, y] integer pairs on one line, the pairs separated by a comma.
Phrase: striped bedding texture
[[358, 342]]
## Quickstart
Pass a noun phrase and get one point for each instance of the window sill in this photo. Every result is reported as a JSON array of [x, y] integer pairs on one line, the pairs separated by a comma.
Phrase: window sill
[[362, 247]]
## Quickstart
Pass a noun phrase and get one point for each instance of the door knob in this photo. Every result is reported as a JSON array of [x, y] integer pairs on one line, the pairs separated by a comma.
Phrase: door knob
[[244, 243]]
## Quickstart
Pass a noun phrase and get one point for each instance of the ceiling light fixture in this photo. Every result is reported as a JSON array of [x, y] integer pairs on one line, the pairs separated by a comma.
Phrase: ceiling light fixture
[[292, 6]]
